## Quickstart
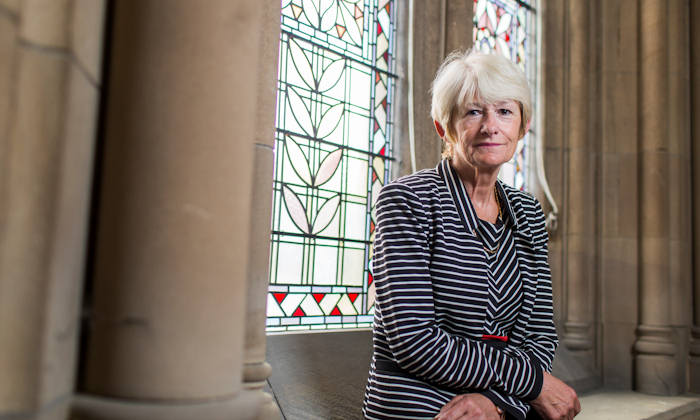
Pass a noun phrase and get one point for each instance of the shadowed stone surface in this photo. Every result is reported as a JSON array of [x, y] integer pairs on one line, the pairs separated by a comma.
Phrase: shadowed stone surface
[[319, 375]]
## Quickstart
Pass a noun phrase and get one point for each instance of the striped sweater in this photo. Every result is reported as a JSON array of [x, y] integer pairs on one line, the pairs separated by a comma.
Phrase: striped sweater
[[436, 299]]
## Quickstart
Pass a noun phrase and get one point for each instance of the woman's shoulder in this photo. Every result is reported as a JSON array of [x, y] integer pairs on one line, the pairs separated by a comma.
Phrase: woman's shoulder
[[527, 210], [421, 184], [521, 200]]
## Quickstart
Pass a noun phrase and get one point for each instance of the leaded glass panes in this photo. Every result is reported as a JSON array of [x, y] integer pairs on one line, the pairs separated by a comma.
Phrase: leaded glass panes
[[332, 155], [508, 27]]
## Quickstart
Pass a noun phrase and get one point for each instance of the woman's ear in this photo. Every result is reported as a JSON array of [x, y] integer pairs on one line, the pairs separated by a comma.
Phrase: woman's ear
[[526, 129], [441, 131]]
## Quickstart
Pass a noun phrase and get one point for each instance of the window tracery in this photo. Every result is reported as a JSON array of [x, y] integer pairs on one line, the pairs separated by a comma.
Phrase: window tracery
[[508, 27], [333, 152]]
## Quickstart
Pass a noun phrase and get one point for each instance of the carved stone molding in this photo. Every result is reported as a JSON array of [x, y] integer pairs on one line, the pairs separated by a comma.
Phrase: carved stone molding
[[577, 336]]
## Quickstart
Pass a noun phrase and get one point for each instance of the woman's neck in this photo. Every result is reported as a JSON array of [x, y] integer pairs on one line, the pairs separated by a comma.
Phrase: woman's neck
[[479, 184]]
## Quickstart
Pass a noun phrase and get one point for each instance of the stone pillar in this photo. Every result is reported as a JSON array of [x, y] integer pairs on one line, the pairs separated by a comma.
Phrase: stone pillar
[[580, 230], [618, 192], [172, 259], [695, 122], [439, 27], [554, 71], [255, 369], [50, 58], [458, 27], [664, 197]]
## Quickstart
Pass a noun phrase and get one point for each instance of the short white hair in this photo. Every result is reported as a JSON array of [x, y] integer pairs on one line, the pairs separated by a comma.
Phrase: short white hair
[[472, 76]]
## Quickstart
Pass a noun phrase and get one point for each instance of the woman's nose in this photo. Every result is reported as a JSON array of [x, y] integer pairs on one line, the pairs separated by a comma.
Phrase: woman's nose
[[488, 124]]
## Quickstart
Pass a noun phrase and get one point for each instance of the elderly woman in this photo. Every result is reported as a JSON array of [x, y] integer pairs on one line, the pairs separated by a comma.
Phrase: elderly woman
[[463, 319]]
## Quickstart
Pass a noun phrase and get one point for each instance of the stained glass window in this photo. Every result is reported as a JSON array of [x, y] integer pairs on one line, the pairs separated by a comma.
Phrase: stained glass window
[[508, 27], [332, 155]]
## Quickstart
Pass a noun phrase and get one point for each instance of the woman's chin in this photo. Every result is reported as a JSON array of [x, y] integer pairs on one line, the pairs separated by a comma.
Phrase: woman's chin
[[489, 164]]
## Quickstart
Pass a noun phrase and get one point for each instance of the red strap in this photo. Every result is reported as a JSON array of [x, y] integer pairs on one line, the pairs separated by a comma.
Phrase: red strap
[[495, 337]]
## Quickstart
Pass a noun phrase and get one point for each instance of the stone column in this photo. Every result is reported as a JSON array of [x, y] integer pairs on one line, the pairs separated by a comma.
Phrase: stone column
[[554, 71], [439, 27], [618, 191], [664, 197], [50, 57], [428, 39], [695, 122], [458, 26], [255, 369], [580, 241], [172, 259]]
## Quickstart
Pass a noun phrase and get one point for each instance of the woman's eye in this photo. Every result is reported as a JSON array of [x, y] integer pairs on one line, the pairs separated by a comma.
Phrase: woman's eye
[[473, 112], [505, 111]]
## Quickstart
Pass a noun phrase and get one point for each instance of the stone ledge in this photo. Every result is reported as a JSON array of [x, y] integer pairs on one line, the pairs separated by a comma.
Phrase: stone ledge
[[248, 405], [628, 405]]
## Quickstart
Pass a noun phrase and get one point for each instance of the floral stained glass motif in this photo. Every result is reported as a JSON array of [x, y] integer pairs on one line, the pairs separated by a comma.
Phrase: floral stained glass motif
[[508, 27], [332, 155]]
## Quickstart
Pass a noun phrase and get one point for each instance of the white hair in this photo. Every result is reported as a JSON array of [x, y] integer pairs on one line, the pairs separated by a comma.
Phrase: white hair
[[472, 76]]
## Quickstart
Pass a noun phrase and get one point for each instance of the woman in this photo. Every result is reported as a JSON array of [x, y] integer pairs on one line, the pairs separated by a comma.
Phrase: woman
[[463, 319]]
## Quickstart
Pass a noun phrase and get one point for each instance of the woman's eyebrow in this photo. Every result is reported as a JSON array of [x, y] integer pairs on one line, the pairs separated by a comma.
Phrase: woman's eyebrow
[[504, 103]]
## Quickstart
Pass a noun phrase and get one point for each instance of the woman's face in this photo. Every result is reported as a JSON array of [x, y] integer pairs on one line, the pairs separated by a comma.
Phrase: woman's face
[[487, 134]]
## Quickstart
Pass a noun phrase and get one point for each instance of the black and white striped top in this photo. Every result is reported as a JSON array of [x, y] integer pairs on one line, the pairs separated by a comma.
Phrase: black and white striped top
[[439, 293]]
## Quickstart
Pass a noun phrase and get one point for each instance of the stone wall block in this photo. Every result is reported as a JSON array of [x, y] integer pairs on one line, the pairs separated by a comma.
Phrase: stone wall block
[[246, 405], [578, 76], [680, 283], [66, 267], [30, 220], [8, 52], [654, 98], [610, 217], [695, 150], [654, 210], [579, 267], [678, 59], [554, 165], [680, 198], [656, 367], [458, 35], [694, 18], [655, 295], [88, 18], [256, 370], [618, 342], [172, 246], [11, 5], [46, 22], [558, 277], [426, 60], [553, 25], [619, 114], [580, 218], [8, 55], [267, 74], [660, 358], [628, 204], [619, 31], [619, 272], [578, 333]]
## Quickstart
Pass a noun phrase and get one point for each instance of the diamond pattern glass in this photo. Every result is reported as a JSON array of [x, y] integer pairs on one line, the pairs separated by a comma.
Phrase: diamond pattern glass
[[508, 27], [332, 155]]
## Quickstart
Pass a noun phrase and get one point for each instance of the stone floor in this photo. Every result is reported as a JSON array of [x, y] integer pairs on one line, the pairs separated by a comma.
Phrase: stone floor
[[627, 405], [323, 376]]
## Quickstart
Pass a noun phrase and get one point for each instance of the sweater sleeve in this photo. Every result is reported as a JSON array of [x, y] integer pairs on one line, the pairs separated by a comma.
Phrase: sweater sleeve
[[515, 407], [405, 307], [541, 336], [541, 339]]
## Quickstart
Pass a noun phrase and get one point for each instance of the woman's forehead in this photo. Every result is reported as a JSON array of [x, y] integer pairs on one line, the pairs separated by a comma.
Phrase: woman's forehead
[[482, 102]]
